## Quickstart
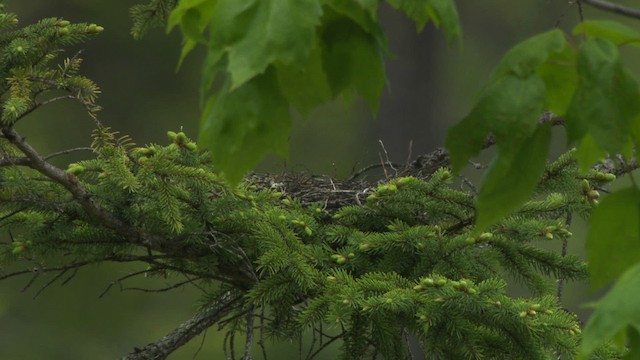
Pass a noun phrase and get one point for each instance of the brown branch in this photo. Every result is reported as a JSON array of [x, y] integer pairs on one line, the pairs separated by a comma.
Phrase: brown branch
[[191, 328], [613, 8], [41, 104], [68, 151], [15, 161]]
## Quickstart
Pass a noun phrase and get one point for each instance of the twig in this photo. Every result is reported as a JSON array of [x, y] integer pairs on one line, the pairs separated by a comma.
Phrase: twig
[[261, 341], [68, 151], [563, 253], [386, 155], [614, 8], [164, 289], [248, 344], [323, 346], [580, 12], [42, 103], [120, 279], [409, 153], [50, 282], [201, 346]]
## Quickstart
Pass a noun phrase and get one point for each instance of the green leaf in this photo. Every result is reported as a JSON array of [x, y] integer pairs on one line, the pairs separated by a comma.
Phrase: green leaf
[[509, 108], [419, 11], [588, 153], [613, 313], [560, 78], [353, 60], [307, 87], [525, 58], [633, 337], [447, 16], [512, 178], [510, 104], [606, 102], [613, 244], [239, 126], [193, 16], [613, 31], [182, 8], [257, 33], [363, 13], [441, 12]]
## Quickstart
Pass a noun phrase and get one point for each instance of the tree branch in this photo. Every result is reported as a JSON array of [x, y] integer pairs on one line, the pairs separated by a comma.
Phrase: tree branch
[[614, 8], [191, 328]]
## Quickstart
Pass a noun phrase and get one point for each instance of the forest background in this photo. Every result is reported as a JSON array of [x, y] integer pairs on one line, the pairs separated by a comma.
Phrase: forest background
[[431, 86]]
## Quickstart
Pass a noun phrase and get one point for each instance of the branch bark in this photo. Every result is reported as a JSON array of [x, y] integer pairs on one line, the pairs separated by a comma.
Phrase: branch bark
[[613, 8], [191, 328]]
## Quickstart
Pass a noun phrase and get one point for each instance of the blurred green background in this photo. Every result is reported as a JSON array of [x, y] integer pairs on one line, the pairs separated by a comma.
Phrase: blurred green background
[[431, 86]]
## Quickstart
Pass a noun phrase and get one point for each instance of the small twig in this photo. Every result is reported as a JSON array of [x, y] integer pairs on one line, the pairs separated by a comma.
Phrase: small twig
[[261, 341], [248, 344], [43, 103], [386, 155], [164, 289], [50, 282], [323, 346], [614, 8], [563, 253], [370, 167], [580, 11], [201, 346], [68, 151], [73, 274], [386, 175], [30, 282], [409, 153]]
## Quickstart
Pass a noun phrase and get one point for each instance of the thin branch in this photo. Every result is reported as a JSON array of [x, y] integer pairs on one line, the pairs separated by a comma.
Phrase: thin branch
[[614, 8], [68, 151], [120, 279], [15, 161], [43, 103], [323, 346], [191, 328], [248, 344], [164, 289]]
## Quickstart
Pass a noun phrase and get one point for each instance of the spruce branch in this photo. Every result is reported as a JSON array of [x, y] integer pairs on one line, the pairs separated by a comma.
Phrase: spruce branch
[[79, 193]]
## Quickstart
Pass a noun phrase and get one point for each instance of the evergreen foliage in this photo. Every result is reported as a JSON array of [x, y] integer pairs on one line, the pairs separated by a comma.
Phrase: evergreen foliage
[[404, 263]]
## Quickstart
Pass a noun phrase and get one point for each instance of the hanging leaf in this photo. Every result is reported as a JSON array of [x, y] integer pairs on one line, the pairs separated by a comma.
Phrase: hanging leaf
[[242, 125], [613, 31], [442, 12], [613, 244], [353, 60], [606, 102], [613, 313], [508, 108], [512, 178]]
